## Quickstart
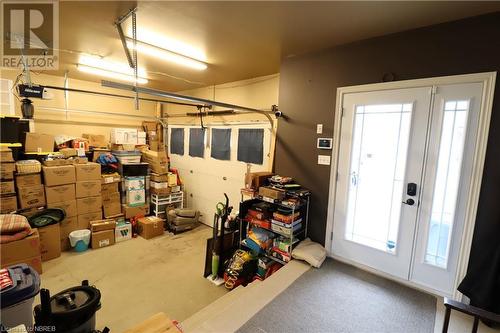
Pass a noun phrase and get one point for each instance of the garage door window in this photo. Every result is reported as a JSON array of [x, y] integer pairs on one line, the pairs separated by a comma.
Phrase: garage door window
[[196, 142], [177, 141], [221, 144], [250, 145]]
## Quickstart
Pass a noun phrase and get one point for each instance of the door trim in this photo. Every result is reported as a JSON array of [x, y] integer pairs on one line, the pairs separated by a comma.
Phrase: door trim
[[488, 80]]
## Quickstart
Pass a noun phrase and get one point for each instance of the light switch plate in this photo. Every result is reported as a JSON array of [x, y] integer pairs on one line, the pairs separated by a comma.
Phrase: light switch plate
[[319, 129], [324, 159]]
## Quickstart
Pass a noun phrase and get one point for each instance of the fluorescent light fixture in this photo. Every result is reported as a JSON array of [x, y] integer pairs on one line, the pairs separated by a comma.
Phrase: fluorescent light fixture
[[167, 55], [118, 71], [112, 75]]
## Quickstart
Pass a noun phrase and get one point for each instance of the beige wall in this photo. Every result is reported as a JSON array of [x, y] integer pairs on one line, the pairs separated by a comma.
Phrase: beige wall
[[51, 118], [258, 93]]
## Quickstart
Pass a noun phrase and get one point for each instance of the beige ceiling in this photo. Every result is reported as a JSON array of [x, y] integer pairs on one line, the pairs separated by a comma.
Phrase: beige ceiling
[[242, 39]]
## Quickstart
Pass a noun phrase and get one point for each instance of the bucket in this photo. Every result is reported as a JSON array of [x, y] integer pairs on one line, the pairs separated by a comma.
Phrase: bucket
[[19, 285], [80, 239], [71, 311]]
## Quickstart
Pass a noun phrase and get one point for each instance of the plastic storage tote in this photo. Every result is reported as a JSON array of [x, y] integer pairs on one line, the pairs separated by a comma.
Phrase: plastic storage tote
[[70, 311], [19, 285], [80, 239]]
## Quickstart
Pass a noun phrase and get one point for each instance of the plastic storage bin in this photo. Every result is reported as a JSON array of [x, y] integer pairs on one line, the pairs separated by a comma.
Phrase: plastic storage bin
[[20, 284], [80, 239]]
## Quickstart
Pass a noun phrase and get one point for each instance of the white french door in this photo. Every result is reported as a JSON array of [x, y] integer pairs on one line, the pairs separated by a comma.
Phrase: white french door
[[404, 171]]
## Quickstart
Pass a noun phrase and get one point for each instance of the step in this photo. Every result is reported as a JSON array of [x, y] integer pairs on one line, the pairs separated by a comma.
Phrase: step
[[242, 303], [216, 307]]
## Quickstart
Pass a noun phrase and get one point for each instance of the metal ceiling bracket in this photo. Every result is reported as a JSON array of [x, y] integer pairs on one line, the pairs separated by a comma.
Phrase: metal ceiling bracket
[[118, 25], [166, 94]]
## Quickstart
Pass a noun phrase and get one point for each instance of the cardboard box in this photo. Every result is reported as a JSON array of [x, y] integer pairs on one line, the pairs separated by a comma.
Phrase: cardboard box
[[88, 171], [158, 178], [57, 162], [121, 136], [157, 160], [88, 188], [257, 179], [136, 197], [24, 248], [59, 175], [67, 225], [106, 179], [101, 225], [7, 187], [84, 219], [60, 193], [123, 232], [8, 204], [134, 183], [111, 204], [141, 138], [50, 241], [6, 155], [31, 196], [150, 227], [272, 193], [28, 179], [96, 140], [69, 207], [103, 239], [7, 170], [68, 152], [88, 204], [38, 142], [130, 212], [35, 262], [109, 188], [160, 191]]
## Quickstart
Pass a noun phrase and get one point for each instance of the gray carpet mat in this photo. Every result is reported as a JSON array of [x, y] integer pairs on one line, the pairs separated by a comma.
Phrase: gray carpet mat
[[340, 298]]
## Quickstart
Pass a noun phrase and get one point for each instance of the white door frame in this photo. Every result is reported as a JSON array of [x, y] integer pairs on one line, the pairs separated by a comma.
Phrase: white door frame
[[488, 80]]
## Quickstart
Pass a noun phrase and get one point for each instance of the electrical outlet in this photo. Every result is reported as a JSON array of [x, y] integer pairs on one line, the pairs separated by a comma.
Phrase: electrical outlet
[[319, 129], [324, 159]]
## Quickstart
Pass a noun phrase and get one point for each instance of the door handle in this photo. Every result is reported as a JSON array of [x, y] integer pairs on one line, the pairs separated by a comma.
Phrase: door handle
[[411, 189], [409, 202]]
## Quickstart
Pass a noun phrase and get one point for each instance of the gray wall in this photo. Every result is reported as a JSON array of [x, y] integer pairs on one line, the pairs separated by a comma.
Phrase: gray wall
[[308, 86]]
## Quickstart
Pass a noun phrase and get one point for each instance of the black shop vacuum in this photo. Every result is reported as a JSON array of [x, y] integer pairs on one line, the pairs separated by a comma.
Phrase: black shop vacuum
[[72, 310]]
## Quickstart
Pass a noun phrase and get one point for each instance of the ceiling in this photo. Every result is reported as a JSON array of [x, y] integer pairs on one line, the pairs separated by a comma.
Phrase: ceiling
[[240, 39]]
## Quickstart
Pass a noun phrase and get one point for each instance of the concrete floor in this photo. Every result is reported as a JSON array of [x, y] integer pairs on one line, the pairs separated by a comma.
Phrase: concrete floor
[[138, 278]]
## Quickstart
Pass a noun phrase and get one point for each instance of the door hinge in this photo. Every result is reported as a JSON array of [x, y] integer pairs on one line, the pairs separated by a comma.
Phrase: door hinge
[[331, 235], [341, 112], [337, 177], [434, 90]]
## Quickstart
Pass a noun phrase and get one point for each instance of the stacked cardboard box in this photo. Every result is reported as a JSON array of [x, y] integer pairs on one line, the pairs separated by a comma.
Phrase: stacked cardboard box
[[30, 190], [8, 201], [26, 250], [157, 160], [154, 135], [60, 193], [103, 233], [88, 193], [111, 201]]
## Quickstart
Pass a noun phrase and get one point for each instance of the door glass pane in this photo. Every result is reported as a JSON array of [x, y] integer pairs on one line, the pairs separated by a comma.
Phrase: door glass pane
[[449, 165], [378, 162]]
